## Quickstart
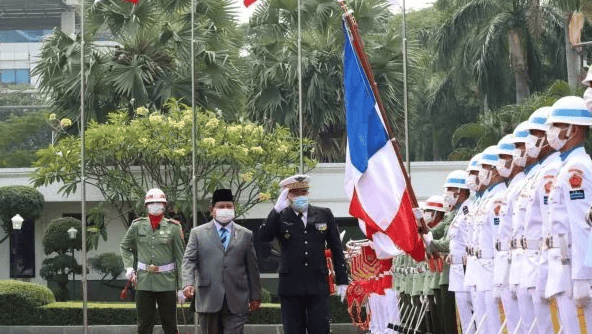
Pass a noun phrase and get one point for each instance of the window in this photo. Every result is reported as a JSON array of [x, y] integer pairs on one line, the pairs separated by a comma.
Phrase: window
[[15, 76]]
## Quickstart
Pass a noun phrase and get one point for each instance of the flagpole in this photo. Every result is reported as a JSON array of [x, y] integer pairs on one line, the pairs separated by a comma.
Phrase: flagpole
[[82, 173], [357, 44], [193, 135], [405, 92], [300, 88]]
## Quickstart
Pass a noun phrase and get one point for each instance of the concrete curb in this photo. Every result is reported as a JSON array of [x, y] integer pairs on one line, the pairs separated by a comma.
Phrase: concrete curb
[[132, 329]]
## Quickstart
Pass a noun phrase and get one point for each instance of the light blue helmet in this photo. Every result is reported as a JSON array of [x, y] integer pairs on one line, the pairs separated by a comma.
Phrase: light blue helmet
[[474, 163], [457, 179], [538, 119], [570, 110], [490, 156], [520, 133]]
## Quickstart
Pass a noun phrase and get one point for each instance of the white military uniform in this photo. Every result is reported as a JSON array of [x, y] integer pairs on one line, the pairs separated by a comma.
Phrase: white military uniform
[[457, 233], [503, 207], [533, 241], [486, 229], [569, 203]]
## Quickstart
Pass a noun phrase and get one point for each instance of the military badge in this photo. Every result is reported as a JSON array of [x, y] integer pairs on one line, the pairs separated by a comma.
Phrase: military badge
[[575, 181], [287, 235], [321, 227]]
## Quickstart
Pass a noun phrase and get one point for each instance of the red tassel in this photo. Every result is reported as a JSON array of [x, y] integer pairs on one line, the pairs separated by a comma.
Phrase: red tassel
[[246, 2]]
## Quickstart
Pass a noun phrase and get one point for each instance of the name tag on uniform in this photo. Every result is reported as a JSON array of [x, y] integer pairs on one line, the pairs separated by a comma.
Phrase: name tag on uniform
[[576, 194], [321, 226], [545, 199], [496, 221]]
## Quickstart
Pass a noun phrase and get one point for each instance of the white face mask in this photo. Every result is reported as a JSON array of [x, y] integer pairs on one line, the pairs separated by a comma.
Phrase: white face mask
[[588, 98], [533, 145], [429, 216], [519, 157], [450, 198], [484, 176], [553, 137], [155, 209], [224, 216], [501, 167], [472, 182]]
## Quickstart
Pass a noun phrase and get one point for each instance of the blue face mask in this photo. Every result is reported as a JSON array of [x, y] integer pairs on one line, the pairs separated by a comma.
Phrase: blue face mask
[[300, 203]]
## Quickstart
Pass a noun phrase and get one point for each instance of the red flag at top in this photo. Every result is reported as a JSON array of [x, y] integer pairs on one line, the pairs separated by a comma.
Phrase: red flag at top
[[249, 2]]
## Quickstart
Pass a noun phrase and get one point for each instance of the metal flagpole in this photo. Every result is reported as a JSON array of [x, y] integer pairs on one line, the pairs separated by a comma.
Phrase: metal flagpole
[[193, 134], [82, 174], [408, 163], [300, 88]]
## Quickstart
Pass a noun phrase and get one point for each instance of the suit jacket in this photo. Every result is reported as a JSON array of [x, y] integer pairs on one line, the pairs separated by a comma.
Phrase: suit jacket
[[232, 272], [303, 268]]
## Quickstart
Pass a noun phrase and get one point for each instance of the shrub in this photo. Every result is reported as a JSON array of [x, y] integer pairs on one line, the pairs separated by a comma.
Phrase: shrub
[[265, 296], [20, 300], [24, 200]]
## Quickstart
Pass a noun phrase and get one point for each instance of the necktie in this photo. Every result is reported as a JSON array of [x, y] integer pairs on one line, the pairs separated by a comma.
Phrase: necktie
[[300, 215], [224, 237]]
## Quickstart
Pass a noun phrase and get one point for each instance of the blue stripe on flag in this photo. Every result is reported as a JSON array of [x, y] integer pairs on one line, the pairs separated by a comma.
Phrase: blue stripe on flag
[[365, 132]]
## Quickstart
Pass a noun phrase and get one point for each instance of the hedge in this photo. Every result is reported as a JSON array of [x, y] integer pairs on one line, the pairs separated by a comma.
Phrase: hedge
[[118, 313], [17, 299]]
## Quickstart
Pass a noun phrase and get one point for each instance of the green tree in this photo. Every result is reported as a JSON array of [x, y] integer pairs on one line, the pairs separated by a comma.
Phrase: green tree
[[58, 268], [149, 61], [23, 200], [128, 155], [272, 60]]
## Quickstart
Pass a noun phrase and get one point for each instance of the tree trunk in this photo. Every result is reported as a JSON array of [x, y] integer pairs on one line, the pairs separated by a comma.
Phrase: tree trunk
[[572, 57], [518, 63]]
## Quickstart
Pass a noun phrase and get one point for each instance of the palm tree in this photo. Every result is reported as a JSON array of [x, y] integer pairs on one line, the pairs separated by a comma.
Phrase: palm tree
[[492, 40], [272, 66], [148, 61]]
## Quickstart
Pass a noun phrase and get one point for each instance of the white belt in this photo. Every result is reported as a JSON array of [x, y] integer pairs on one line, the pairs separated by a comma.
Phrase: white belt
[[484, 254], [531, 244], [502, 246], [456, 259], [156, 269]]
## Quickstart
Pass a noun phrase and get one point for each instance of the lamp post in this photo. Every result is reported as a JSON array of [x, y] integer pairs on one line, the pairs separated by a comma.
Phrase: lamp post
[[17, 222], [72, 232]]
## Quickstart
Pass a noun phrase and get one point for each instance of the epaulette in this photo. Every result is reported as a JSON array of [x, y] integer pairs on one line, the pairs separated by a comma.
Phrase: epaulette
[[174, 221], [135, 220]]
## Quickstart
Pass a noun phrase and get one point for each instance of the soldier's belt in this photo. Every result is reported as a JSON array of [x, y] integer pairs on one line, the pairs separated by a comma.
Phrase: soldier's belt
[[531, 244], [502, 246], [456, 259], [470, 251], [559, 241], [514, 243], [484, 254], [156, 269]]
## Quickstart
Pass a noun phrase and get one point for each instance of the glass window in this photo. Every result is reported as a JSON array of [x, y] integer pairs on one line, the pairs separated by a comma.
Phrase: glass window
[[15, 76]]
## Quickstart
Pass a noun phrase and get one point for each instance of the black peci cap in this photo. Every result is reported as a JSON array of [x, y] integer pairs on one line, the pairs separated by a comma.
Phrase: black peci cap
[[222, 195]]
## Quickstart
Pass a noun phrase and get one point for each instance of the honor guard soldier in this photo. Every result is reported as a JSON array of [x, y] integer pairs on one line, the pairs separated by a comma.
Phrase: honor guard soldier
[[534, 280], [569, 203], [158, 243], [304, 231]]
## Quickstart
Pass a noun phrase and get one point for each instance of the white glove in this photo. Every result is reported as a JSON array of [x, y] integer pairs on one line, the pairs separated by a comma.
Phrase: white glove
[[341, 290], [496, 292], [428, 238], [130, 274], [282, 201], [581, 292], [418, 213], [180, 297]]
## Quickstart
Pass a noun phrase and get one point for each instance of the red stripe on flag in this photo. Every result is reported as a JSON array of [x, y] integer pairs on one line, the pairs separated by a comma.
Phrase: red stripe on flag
[[249, 2], [402, 230]]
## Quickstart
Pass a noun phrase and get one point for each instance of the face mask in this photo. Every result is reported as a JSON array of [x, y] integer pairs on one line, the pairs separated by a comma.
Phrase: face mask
[[501, 168], [533, 146], [472, 182], [300, 203], [224, 216], [588, 98], [450, 198], [429, 216], [484, 176], [155, 209], [519, 158], [553, 137]]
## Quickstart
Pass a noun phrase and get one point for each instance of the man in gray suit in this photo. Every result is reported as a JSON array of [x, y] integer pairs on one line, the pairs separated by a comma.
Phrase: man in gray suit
[[221, 255]]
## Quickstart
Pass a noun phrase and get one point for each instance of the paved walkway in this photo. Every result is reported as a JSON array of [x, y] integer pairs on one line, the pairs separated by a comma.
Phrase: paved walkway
[[131, 329]]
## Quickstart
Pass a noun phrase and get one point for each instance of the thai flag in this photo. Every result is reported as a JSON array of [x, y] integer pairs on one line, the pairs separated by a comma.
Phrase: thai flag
[[374, 180]]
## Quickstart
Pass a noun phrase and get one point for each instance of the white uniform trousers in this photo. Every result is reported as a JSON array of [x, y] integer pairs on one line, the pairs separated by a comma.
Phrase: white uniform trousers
[[526, 309], [491, 308], [511, 309], [465, 310], [478, 305], [568, 313], [392, 297], [542, 312]]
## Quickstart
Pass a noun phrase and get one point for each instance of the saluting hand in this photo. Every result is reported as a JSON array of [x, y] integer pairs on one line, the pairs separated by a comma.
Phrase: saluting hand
[[254, 305]]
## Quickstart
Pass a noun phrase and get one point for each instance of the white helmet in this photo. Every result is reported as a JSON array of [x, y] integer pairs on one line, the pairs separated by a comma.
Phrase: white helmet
[[570, 110], [474, 163], [155, 195], [436, 203], [538, 119], [520, 133], [489, 156], [506, 145], [457, 179]]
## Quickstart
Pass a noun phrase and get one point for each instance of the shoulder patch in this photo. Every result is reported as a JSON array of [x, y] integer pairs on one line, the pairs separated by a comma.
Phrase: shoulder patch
[[575, 180]]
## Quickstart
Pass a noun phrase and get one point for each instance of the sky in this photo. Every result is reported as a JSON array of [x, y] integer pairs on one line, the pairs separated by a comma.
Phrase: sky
[[409, 4]]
